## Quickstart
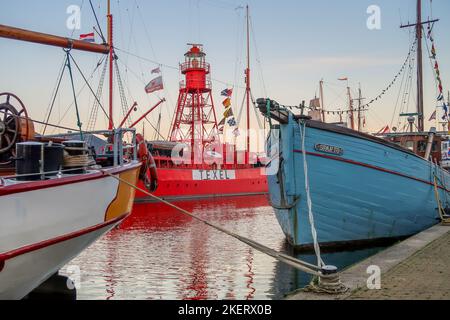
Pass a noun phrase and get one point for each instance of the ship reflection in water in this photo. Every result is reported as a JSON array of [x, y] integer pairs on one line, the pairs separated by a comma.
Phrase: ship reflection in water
[[159, 253]]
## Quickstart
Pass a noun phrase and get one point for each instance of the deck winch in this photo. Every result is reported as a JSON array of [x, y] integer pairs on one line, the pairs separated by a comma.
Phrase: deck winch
[[38, 161]]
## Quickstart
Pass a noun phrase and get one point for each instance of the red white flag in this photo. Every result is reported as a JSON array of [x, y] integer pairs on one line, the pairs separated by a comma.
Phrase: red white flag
[[384, 130], [155, 85], [88, 37], [157, 70]]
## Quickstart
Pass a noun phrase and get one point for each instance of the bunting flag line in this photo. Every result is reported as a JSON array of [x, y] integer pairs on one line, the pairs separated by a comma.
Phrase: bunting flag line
[[440, 97], [236, 132], [222, 122]]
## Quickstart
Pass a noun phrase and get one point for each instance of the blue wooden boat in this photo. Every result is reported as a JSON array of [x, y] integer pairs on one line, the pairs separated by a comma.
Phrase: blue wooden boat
[[363, 188]]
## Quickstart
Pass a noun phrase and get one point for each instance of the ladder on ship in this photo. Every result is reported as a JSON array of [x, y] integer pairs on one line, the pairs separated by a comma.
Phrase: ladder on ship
[[445, 218]]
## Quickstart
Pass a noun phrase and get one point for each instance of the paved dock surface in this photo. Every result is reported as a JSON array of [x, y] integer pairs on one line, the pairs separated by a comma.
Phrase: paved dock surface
[[417, 268], [425, 276]]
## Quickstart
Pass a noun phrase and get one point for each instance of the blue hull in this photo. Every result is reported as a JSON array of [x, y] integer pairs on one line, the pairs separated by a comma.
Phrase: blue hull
[[362, 190]]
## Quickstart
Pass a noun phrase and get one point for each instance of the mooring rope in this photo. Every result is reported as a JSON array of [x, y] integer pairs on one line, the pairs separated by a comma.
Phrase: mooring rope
[[293, 262], [320, 262]]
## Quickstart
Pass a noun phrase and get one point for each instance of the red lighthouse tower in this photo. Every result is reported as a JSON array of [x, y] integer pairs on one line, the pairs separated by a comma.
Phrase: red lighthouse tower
[[195, 121]]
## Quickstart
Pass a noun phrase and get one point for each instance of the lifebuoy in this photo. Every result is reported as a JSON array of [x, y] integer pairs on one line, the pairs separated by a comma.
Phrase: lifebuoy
[[148, 173]]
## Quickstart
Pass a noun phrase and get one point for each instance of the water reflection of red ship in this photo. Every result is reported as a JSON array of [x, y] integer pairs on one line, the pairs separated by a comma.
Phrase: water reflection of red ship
[[194, 272], [159, 216]]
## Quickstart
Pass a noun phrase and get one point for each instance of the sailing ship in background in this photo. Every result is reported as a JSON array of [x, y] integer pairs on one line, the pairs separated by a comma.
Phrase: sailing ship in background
[[56, 197], [195, 163], [363, 188]]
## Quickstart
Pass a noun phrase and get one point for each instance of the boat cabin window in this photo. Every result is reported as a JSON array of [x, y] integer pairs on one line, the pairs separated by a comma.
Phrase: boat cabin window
[[422, 146], [409, 145]]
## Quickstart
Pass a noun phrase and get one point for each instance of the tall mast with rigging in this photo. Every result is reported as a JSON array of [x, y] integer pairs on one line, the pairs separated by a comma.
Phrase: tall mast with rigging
[[419, 66], [111, 65], [248, 88], [418, 26]]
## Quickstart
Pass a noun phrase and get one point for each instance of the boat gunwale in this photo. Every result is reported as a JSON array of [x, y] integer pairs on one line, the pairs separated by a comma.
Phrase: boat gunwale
[[28, 186], [360, 135]]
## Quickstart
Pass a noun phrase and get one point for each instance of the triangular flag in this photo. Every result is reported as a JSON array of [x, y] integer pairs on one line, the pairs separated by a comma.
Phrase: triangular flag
[[433, 116]]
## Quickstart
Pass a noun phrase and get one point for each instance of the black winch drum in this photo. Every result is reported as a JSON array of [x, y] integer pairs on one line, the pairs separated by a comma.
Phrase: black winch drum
[[53, 159], [29, 162]]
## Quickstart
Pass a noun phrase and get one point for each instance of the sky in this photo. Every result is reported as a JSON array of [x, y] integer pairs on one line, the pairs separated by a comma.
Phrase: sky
[[294, 44]]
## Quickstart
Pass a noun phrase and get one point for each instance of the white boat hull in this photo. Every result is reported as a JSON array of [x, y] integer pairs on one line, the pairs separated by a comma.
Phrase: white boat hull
[[49, 223], [24, 273]]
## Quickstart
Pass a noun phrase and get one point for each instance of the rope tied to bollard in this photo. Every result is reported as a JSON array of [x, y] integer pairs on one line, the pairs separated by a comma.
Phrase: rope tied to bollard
[[329, 278]]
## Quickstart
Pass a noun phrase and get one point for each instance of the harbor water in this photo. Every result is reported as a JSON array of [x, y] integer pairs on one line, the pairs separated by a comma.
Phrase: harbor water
[[159, 253]]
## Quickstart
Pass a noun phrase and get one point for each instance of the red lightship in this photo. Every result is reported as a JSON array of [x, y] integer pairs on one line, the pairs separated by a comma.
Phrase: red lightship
[[194, 163]]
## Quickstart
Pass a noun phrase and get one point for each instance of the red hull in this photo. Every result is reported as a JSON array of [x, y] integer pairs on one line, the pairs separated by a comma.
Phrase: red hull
[[181, 184]]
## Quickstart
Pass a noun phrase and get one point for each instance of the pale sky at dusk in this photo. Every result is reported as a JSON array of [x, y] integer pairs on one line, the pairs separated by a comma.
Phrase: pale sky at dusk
[[297, 44]]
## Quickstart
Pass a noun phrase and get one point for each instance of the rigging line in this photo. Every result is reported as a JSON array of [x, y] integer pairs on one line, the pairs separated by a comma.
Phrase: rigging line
[[96, 20], [156, 131], [43, 123], [74, 94], [73, 30], [340, 96], [147, 33], [92, 120], [258, 57], [395, 78], [398, 98], [168, 66], [89, 86], [80, 91], [55, 93], [239, 49]]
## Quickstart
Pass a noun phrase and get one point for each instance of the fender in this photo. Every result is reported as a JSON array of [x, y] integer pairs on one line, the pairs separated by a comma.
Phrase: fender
[[148, 165]]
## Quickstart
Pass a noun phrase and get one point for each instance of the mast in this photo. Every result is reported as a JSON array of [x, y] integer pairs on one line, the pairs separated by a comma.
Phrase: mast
[[359, 108], [111, 65], [419, 67], [248, 89], [350, 108], [322, 103], [418, 26]]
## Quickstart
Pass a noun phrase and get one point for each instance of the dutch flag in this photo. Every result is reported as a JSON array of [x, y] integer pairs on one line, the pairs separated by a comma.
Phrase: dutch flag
[[88, 37]]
